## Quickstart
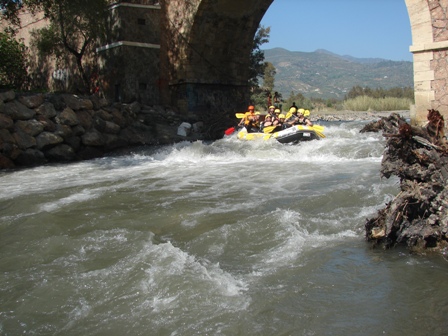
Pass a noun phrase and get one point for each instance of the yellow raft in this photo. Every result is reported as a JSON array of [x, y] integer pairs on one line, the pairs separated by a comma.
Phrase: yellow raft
[[292, 135]]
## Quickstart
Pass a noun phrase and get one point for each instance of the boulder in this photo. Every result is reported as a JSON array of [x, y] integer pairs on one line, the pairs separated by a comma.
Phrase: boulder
[[7, 96], [48, 124], [67, 117], [61, 152], [63, 131], [85, 119], [93, 138], [32, 101], [30, 127], [6, 163], [18, 111], [6, 122], [76, 103], [5, 136], [30, 157], [23, 140], [47, 110], [47, 139]]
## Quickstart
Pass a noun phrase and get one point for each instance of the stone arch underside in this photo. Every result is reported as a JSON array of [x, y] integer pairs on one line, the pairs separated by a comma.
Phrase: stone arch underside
[[210, 54]]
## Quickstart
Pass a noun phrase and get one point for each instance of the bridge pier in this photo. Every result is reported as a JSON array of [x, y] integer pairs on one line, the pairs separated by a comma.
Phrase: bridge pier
[[196, 97], [429, 25]]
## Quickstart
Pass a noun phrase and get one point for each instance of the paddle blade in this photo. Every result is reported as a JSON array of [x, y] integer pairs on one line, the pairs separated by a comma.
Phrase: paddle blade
[[269, 129], [318, 128], [240, 115], [229, 131]]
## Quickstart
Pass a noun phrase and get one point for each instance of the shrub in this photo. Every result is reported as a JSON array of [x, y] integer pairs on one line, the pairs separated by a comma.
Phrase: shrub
[[13, 72]]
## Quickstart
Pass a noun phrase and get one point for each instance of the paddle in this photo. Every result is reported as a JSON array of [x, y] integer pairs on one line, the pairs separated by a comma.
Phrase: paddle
[[318, 128], [240, 115], [320, 134], [269, 129]]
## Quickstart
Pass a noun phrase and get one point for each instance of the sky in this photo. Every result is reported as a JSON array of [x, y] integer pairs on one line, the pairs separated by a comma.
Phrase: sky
[[358, 28]]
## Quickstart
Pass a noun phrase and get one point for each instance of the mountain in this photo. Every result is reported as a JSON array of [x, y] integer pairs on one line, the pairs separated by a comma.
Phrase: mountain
[[326, 75]]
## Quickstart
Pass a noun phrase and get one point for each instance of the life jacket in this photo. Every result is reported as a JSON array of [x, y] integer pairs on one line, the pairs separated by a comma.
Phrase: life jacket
[[247, 117], [293, 118], [301, 122]]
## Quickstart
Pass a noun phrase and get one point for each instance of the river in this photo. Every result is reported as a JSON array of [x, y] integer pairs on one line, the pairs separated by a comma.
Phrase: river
[[222, 238]]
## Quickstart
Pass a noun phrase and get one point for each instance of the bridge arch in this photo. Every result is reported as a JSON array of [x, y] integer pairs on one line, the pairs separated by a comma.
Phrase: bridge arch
[[206, 44]]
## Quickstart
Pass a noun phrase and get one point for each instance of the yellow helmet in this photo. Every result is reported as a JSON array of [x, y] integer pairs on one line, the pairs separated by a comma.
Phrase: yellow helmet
[[301, 110], [306, 113], [292, 110], [257, 113], [281, 115], [277, 110], [273, 107]]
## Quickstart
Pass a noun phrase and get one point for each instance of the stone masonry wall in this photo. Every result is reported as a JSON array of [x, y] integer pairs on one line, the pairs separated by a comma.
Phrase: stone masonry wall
[[42, 128], [439, 63]]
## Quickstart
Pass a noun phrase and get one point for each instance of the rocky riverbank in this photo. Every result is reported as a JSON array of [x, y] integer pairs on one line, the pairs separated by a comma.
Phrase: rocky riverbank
[[41, 128], [355, 115], [418, 215]]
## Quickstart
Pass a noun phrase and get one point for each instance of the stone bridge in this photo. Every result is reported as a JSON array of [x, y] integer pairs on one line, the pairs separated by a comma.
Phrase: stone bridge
[[205, 47]]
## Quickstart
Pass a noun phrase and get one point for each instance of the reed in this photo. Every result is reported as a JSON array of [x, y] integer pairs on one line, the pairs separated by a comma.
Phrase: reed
[[366, 103]]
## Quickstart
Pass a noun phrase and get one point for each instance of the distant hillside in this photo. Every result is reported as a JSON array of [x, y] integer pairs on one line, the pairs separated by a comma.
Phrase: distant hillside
[[327, 75]]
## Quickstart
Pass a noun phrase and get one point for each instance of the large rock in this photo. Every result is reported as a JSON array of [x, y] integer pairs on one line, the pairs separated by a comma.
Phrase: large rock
[[6, 122], [93, 138], [30, 127], [85, 119], [23, 140], [67, 117], [6, 136], [46, 139], [48, 124], [18, 111], [6, 163], [61, 152], [30, 157], [7, 96], [47, 110], [32, 101], [63, 131], [76, 103]]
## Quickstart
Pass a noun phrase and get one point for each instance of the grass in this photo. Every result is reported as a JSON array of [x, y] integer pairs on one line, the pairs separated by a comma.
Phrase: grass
[[365, 103]]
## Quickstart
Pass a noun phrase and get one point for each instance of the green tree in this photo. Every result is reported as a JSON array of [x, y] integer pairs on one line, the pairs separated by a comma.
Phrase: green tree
[[75, 25], [13, 73], [269, 76], [257, 64]]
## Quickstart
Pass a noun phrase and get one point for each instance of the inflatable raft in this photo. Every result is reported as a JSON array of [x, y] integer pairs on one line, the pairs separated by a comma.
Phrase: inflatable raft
[[291, 135]]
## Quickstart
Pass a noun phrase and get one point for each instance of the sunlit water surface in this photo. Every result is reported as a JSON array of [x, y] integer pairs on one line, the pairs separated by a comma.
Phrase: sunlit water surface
[[222, 238]]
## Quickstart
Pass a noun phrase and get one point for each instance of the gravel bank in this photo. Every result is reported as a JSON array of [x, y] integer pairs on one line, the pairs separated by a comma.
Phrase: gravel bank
[[355, 115]]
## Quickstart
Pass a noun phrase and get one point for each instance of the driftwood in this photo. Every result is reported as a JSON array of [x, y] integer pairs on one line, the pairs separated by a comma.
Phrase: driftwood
[[418, 216]]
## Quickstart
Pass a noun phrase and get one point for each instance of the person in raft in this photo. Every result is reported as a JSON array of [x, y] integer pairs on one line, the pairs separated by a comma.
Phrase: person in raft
[[254, 124], [269, 121], [302, 119], [248, 116]]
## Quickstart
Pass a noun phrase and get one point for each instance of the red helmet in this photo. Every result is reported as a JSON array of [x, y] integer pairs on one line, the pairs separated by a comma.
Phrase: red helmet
[[251, 108]]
